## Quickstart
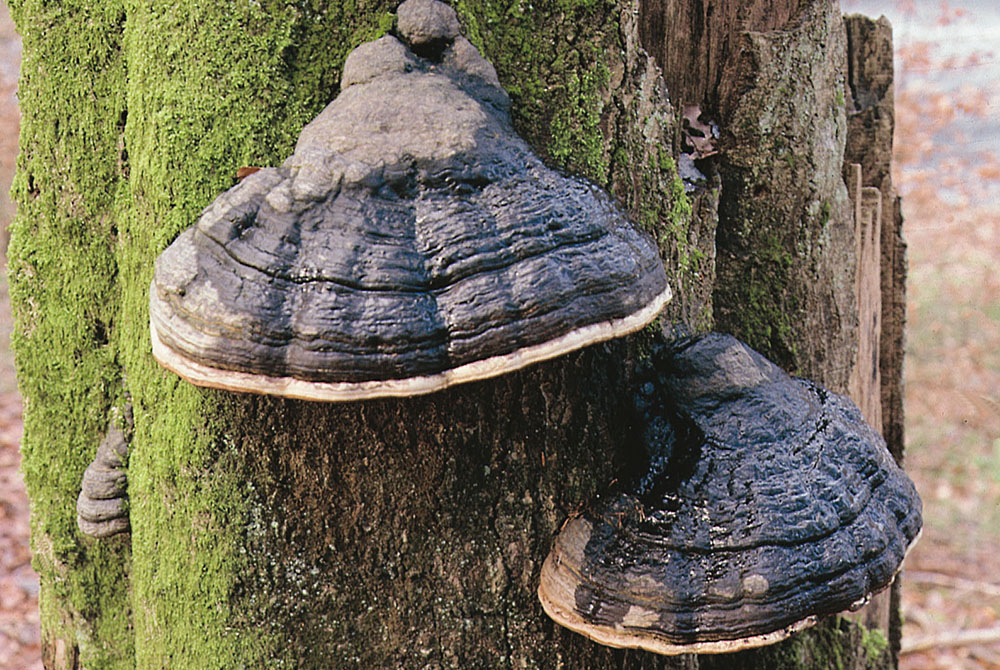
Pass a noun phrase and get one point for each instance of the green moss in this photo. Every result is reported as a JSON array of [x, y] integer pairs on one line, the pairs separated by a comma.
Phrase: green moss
[[824, 213], [553, 61], [678, 215], [124, 139], [215, 91], [834, 644], [839, 643], [576, 139], [665, 212], [820, 647], [874, 643], [64, 296], [767, 316], [758, 257]]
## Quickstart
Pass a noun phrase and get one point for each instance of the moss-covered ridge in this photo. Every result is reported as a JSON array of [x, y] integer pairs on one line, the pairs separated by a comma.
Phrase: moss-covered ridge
[[65, 295]]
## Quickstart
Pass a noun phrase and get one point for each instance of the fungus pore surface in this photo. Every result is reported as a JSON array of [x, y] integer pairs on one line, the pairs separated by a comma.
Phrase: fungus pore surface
[[762, 503], [412, 241]]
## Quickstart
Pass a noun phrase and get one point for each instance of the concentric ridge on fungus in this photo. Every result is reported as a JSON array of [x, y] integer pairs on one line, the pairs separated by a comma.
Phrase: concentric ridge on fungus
[[764, 503], [102, 506], [412, 241]]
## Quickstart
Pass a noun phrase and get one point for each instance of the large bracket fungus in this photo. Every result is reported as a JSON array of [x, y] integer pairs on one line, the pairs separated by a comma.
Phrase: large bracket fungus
[[412, 241], [767, 502]]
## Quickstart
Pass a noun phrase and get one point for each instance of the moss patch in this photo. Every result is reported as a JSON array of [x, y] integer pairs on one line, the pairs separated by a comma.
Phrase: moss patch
[[134, 117], [214, 91], [759, 300], [834, 644], [553, 60], [769, 312], [65, 297], [874, 643]]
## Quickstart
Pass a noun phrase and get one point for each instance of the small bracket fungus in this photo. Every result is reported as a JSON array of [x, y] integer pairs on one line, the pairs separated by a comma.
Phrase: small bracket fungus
[[101, 508], [412, 241], [767, 502]]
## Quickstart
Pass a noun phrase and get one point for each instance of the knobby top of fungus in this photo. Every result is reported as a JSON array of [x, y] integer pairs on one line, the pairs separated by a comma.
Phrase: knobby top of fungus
[[412, 241]]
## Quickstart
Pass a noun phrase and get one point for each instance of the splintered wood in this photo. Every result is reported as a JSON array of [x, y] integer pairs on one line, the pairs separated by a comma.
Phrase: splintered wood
[[866, 380]]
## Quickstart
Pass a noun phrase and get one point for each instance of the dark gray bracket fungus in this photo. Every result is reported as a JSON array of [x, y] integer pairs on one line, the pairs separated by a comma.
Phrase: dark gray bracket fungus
[[411, 242], [102, 506], [765, 503]]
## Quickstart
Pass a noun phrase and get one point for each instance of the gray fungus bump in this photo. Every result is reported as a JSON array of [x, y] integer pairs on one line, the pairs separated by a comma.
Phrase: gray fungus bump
[[761, 503], [102, 506], [412, 241]]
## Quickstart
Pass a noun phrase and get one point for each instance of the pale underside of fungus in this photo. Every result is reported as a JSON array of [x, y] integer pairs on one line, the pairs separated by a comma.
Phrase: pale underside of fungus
[[412, 241], [763, 503]]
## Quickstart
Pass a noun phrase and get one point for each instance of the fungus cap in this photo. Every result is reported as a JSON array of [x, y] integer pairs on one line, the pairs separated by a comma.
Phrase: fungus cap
[[101, 507], [766, 502], [412, 241]]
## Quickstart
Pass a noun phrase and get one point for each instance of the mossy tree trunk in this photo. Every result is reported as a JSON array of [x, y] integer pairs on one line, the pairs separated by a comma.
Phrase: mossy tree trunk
[[393, 533]]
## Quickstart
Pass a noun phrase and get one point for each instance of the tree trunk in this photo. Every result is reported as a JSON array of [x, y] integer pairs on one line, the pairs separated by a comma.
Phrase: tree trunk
[[393, 533]]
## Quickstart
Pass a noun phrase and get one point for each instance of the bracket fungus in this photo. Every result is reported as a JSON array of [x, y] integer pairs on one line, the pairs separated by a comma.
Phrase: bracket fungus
[[767, 502], [412, 241], [101, 508]]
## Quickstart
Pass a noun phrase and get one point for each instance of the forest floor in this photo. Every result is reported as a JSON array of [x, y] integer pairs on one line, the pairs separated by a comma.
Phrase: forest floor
[[947, 170], [950, 185]]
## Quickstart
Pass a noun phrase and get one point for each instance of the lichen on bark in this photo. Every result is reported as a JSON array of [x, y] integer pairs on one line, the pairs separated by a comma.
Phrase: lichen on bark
[[785, 239]]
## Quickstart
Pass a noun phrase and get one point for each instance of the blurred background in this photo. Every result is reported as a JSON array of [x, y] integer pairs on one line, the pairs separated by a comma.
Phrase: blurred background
[[947, 163], [946, 148]]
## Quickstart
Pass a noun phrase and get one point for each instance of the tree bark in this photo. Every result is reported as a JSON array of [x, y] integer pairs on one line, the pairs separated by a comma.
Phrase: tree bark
[[392, 533]]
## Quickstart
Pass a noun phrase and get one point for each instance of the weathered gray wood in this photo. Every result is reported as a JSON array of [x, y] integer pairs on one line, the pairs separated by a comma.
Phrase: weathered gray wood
[[698, 43], [865, 383], [869, 144], [870, 116]]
